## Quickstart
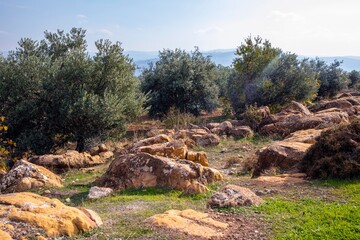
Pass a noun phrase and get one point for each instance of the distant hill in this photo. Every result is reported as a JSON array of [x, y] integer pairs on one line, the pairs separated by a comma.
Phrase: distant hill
[[226, 57]]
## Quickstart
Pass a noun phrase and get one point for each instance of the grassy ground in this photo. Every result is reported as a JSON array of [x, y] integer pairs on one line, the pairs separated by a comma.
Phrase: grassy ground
[[313, 210]]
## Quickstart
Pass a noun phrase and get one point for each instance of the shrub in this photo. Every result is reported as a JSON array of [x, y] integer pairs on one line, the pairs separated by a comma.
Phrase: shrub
[[336, 154], [175, 119], [253, 116]]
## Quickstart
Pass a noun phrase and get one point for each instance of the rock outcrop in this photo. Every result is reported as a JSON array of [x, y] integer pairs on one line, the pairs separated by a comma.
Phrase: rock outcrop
[[233, 196], [190, 222], [68, 160], [145, 170], [50, 215], [286, 154], [295, 117], [25, 176], [176, 149], [282, 155]]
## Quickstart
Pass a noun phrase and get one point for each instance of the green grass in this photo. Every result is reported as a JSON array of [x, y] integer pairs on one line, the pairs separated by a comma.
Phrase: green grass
[[126, 210], [309, 218]]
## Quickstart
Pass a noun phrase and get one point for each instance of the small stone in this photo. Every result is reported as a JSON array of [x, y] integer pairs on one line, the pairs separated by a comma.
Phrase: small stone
[[68, 200], [99, 192]]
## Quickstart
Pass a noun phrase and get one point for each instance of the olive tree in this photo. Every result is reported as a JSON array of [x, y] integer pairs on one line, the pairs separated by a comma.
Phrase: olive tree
[[60, 93], [180, 80]]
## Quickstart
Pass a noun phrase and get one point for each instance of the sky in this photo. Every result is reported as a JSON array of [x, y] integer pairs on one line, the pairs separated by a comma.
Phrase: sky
[[305, 27]]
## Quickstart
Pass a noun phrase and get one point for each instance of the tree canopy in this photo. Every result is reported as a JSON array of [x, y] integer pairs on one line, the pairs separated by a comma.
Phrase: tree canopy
[[53, 91], [267, 76], [180, 80]]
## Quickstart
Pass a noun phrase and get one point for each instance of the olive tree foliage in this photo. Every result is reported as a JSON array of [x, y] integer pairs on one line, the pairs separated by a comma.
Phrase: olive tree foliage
[[331, 77], [267, 76], [354, 77], [180, 80], [53, 91], [252, 58]]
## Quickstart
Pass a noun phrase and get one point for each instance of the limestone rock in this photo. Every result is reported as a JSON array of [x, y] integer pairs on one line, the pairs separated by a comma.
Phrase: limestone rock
[[233, 196], [342, 103], [242, 131], [71, 159], [206, 140], [198, 157], [281, 179], [212, 125], [193, 223], [55, 218], [5, 236], [103, 148], [282, 155], [25, 176], [145, 170], [99, 192], [295, 108], [162, 138], [304, 136], [106, 155], [196, 188], [226, 127]]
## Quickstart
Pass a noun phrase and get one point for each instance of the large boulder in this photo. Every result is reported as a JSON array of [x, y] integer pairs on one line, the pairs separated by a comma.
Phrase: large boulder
[[193, 223], [25, 176], [145, 170], [282, 155], [49, 215], [68, 160], [234, 196]]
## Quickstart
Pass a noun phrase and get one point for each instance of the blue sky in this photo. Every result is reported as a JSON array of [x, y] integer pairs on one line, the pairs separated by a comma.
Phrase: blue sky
[[306, 27]]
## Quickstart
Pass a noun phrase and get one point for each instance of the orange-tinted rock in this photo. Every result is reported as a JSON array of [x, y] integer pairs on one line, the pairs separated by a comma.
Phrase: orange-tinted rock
[[282, 155], [71, 159], [193, 223], [198, 157], [145, 170], [5, 236], [55, 218], [162, 138], [281, 179], [25, 176]]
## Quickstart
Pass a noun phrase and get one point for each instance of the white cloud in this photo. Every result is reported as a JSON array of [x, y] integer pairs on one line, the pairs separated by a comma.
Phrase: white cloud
[[82, 19], [104, 31], [284, 16], [209, 30]]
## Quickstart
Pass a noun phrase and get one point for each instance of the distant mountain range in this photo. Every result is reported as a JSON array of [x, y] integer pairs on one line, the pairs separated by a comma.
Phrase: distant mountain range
[[226, 57]]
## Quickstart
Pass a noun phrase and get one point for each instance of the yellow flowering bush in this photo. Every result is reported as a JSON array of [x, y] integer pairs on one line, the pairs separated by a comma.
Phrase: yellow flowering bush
[[7, 145]]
